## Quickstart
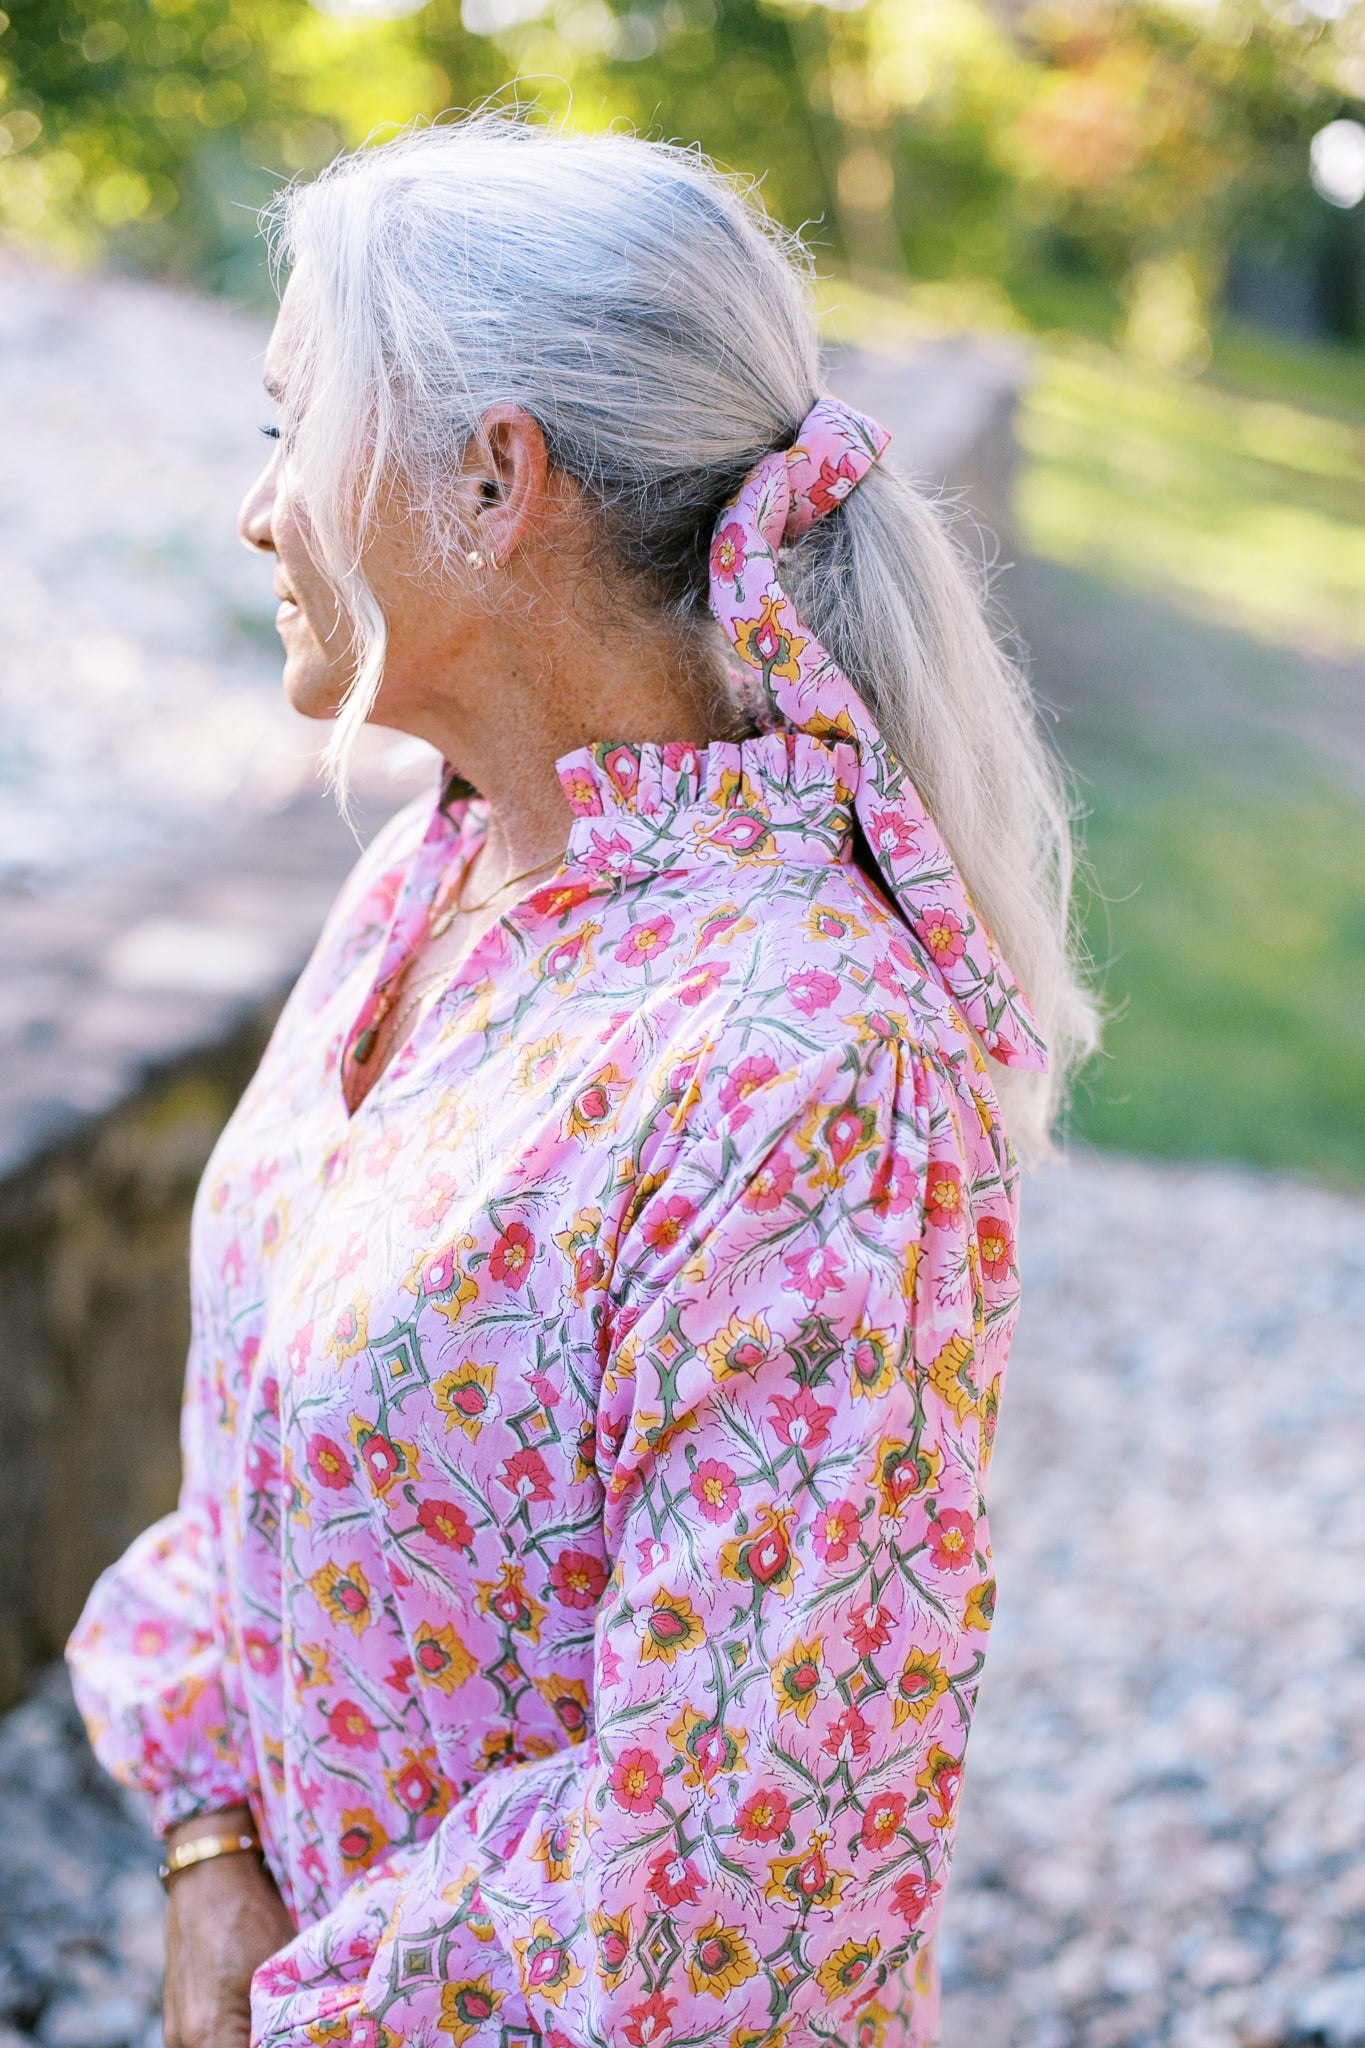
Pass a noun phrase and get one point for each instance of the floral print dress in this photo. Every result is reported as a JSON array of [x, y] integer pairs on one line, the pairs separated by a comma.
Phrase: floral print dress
[[581, 1567]]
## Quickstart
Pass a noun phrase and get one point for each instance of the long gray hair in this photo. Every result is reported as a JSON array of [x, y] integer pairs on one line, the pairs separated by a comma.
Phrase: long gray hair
[[658, 326]]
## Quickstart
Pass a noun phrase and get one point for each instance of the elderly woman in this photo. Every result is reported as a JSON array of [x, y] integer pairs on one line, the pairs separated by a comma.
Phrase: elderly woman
[[570, 1625]]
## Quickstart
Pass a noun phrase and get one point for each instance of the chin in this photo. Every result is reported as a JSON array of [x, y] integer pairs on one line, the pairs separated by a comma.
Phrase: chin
[[311, 693]]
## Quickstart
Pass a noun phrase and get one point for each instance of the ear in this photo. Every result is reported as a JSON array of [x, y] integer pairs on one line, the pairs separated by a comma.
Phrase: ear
[[510, 475]]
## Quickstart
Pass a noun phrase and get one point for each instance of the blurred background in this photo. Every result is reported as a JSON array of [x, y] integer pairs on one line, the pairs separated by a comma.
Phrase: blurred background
[[1102, 268]]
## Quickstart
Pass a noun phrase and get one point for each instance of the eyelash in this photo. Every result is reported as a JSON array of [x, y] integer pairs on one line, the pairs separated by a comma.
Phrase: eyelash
[[271, 433]]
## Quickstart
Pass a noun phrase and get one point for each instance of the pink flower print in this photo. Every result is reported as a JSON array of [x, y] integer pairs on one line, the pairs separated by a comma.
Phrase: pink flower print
[[698, 982], [435, 1197], [666, 1220], [581, 791], [262, 1652], [578, 1577], [837, 1529], [644, 940], [526, 1474], [754, 1072], [636, 1781], [150, 1638], [913, 1895], [817, 1272], [680, 757], [848, 1737], [727, 553], [261, 1468], [608, 856], [445, 1521], [811, 989], [891, 832], [650, 2021], [558, 899], [713, 1488], [739, 834], [895, 1186], [622, 766], [764, 1816], [674, 1880], [952, 1540], [510, 1258], [800, 1420], [770, 1186], [882, 1818], [870, 1626], [996, 1246], [941, 931], [832, 486], [352, 1727], [943, 1194]]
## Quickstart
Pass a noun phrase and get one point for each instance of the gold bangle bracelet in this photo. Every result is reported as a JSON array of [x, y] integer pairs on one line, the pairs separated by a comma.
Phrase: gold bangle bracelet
[[202, 1849]]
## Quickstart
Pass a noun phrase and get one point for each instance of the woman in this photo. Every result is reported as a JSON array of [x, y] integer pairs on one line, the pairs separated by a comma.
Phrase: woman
[[579, 1586]]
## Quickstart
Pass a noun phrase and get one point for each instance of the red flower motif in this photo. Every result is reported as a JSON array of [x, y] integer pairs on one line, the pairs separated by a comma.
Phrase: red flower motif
[[942, 1193], [740, 1083], [525, 1473], [881, 1820], [941, 931], [648, 2022], [698, 982], [352, 1727], [996, 1247], [644, 940], [728, 554], [611, 856], [869, 1627], [674, 1880], [801, 1420], [262, 1652], [835, 481], [510, 1258], [764, 1816], [891, 832], [578, 1577], [446, 1522], [714, 1490], [913, 1895], [739, 834], [849, 1736], [558, 899], [894, 1186], [622, 765], [381, 1460], [665, 1221], [837, 1529], [636, 1780], [952, 1540], [817, 1272], [328, 1463]]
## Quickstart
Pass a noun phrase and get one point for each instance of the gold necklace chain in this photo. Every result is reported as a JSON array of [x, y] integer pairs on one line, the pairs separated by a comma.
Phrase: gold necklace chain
[[458, 908]]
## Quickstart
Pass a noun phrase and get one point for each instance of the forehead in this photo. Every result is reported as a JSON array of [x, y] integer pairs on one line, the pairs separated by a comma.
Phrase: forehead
[[284, 337]]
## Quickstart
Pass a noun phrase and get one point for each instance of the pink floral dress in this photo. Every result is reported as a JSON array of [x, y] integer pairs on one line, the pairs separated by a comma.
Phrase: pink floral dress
[[581, 1565]]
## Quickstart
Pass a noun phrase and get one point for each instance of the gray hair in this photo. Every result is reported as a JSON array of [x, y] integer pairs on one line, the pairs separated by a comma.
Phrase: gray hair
[[653, 320]]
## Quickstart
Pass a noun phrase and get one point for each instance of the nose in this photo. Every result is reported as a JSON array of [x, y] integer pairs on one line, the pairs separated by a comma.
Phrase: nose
[[254, 518]]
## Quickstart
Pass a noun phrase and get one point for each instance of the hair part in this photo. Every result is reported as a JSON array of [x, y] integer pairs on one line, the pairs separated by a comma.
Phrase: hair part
[[657, 324]]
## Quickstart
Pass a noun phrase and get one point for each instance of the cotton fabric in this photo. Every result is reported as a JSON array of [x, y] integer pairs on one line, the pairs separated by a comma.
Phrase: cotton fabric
[[582, 1567]]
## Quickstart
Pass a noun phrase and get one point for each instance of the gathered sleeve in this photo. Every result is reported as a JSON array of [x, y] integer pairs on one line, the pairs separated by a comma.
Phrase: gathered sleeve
[[754, 1835], [146, 1658]]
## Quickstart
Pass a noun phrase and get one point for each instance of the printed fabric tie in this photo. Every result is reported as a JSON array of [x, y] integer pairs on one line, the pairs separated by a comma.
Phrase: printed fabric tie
[[780, 500]]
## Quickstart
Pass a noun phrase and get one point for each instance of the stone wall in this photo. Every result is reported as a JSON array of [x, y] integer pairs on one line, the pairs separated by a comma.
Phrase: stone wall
[[152, 917]]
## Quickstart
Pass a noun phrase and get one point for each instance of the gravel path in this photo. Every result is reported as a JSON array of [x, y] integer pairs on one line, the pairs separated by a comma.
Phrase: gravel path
[[1165, 1810]]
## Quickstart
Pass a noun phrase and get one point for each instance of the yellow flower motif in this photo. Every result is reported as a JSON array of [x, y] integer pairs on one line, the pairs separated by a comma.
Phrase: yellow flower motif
[[711, 1750], [336, 2027], [667, 1628], [979, 1611], [554, 1849], [799, 1678], [741, 1346], [350, 1331], [465, 1397], [440, 1282], [467, 2008], [720, 1959], [902, 1473], [822, 727], [805, 1880], [362, 1839], [846, 1968], [310, 1664], [441, 1659], [766, 644], [984, 1114], [941, 1778], [538, 1064], [872, 1368], [592, 1109], [764, 1557], [950, 1376], [344, 1593], [834, 927], [567, 1699], [546, 1963], [922, 1683], [611, 1933]]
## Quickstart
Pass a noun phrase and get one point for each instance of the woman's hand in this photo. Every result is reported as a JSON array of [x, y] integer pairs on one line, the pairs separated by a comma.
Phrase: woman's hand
[[224, 1918]]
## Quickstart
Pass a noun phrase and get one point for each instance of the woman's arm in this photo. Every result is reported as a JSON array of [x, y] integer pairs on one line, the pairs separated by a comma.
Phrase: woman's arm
[[756, 1832]]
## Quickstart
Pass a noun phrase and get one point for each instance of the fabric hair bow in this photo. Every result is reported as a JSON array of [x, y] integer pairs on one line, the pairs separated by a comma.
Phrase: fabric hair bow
[[780, 500]]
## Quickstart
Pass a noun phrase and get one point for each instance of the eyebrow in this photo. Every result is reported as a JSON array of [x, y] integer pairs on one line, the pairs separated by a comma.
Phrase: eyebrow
[[272, 387]]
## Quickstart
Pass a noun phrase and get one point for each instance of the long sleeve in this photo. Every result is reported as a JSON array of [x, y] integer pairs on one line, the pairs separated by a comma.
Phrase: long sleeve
[[752, 1840], [146, 1660]]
